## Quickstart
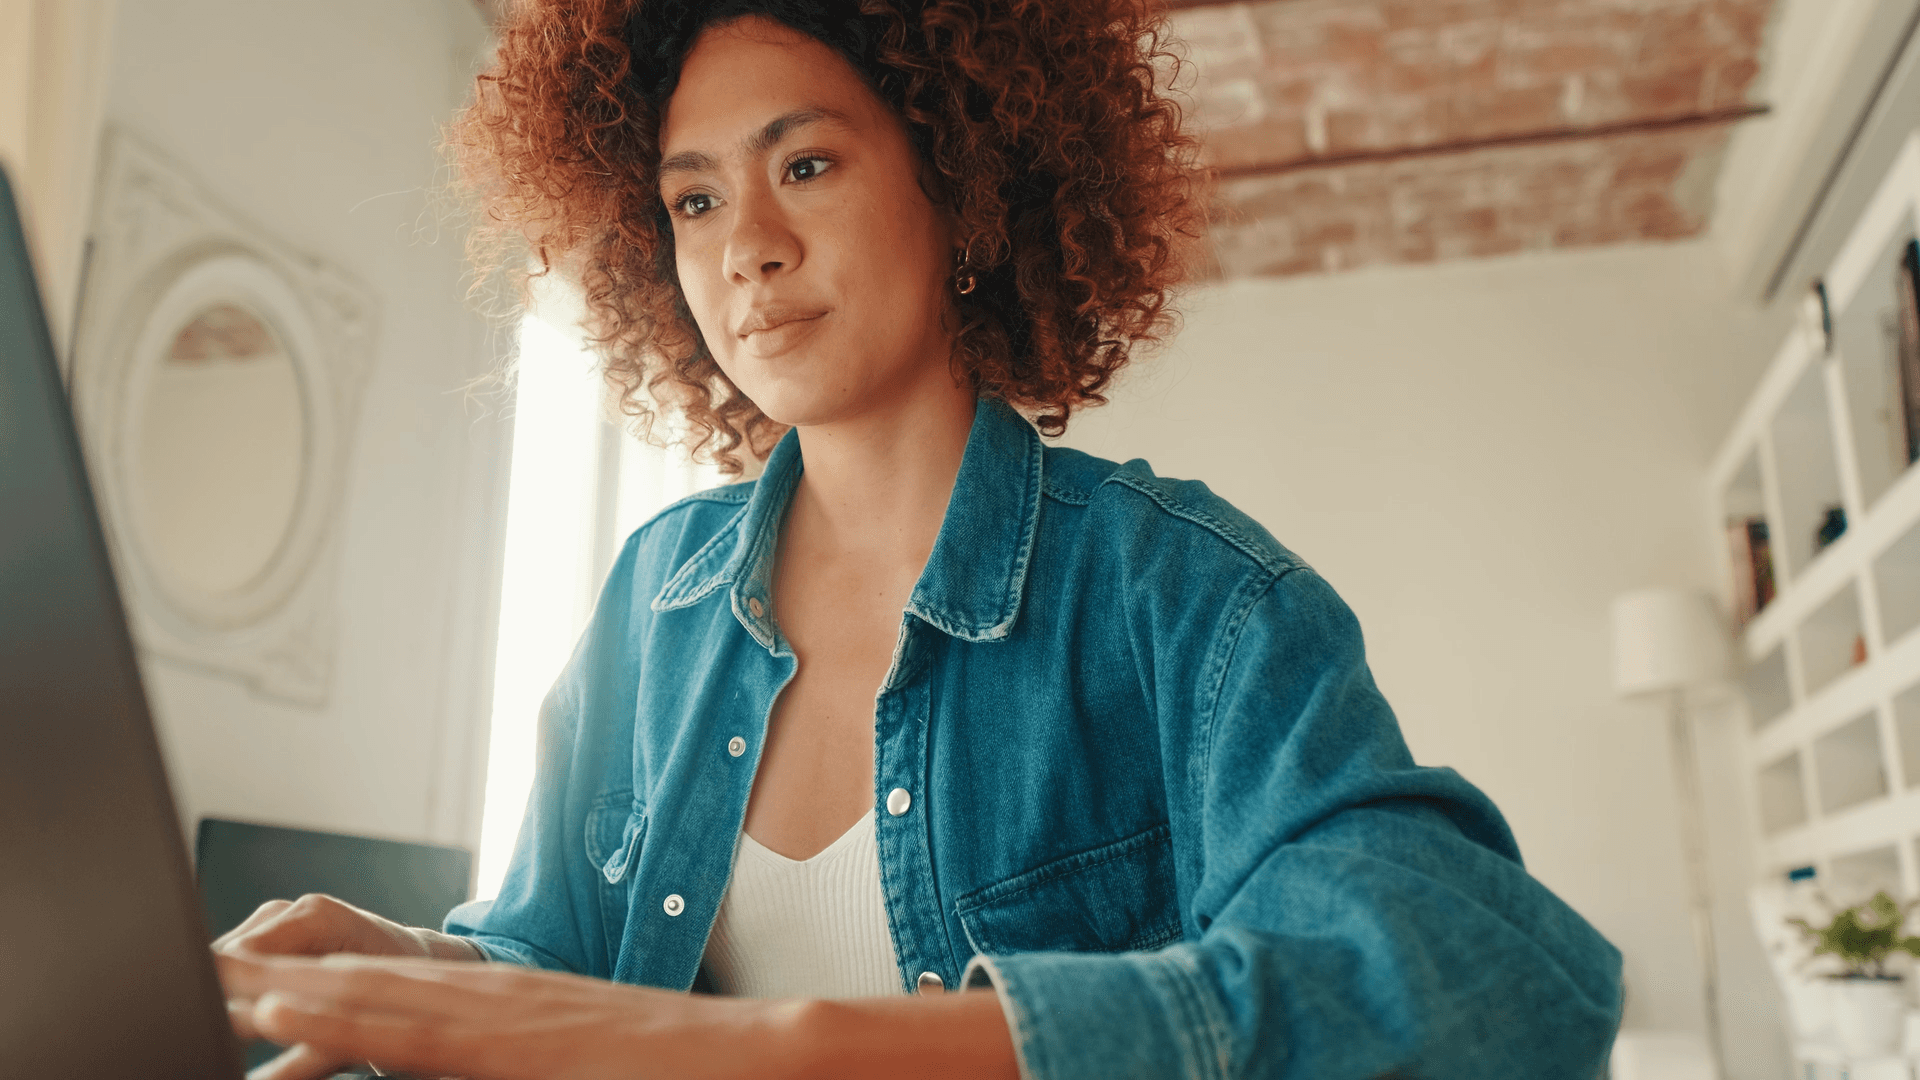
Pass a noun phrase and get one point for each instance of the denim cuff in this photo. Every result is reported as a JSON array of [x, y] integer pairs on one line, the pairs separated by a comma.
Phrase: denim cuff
[[983, 974], [1105, 1016], [506, 950], [496, 954]]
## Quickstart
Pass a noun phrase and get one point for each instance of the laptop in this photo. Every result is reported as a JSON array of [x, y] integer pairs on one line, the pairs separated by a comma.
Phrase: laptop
[[104, 966]]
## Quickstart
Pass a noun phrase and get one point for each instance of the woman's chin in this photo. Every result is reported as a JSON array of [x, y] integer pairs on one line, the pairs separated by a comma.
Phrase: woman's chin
[[800, 389], [807, 414], [798, 406], [827, 382]]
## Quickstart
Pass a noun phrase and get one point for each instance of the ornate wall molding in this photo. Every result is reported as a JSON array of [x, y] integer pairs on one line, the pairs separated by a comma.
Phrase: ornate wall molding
[[164, 246]]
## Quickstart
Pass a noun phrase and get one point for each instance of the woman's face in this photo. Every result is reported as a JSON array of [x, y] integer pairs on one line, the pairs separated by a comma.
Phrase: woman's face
[[815, 266]]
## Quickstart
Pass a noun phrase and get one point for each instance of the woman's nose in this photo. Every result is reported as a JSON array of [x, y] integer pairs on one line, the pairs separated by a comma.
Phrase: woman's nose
[[762, 242]]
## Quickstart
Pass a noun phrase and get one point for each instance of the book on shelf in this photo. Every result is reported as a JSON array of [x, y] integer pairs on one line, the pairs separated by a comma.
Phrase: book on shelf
[[1907, 347], [1752, 562]]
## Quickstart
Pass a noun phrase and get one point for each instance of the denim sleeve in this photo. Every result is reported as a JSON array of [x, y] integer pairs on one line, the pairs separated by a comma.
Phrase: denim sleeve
[[1358, 915], [527, 923]]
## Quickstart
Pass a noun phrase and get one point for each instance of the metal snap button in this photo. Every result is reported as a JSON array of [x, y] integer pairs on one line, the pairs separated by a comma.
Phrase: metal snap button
[[898, 801], [931, 982], [674, 905], [754, 605], [736, 746]]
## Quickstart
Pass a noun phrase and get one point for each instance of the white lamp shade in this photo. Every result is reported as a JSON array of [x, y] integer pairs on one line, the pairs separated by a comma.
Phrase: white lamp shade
[[1666, 639]]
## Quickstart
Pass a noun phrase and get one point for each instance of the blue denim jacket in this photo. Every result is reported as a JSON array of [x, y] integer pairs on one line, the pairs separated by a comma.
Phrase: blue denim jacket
[[1153, 793]]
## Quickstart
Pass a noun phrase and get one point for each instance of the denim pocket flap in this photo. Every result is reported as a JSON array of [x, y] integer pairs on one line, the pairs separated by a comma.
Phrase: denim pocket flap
[[1116, 898], [615, 822]]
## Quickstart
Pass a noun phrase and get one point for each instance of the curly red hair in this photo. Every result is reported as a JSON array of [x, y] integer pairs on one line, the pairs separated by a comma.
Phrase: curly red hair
[[1042, 121]]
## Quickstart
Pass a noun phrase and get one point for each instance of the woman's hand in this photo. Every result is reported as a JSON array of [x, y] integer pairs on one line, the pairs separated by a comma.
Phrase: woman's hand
[[317, 925], [501, 1022]]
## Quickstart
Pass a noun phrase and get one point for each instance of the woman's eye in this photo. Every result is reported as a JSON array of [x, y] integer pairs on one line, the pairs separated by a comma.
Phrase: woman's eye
[[695, 204], [807, 168]]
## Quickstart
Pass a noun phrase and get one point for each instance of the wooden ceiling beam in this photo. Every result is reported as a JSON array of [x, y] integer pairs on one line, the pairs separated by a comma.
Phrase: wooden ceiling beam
[[1527, 138]]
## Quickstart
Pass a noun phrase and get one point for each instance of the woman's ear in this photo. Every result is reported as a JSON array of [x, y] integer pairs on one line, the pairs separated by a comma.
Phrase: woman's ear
[[955, 234], [934, 186]]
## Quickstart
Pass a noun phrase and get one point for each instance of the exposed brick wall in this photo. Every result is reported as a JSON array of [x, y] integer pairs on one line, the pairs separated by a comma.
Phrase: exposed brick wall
[[1652, 186], [1282, 86]]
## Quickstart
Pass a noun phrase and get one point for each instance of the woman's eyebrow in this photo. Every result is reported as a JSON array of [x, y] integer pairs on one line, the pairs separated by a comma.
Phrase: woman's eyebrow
[[759, 142]]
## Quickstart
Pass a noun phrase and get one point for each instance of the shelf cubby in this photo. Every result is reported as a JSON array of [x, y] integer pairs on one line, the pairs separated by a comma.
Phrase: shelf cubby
[[1765, 685], [1856, 876], [1783, 795], [1829, 639], [1906, 728], [1848, 764], [1866, 334], [1808, 468], [1896, 576]]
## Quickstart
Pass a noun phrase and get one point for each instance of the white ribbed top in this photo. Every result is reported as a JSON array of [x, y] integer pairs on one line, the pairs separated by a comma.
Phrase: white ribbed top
[[805, 928]]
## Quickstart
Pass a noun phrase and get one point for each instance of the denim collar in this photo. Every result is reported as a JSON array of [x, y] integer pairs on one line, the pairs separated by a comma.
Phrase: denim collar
[[973, 582]]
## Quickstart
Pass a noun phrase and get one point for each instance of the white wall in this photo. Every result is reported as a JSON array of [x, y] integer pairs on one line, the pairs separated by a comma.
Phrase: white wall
[[319, 122], [1479, 456]]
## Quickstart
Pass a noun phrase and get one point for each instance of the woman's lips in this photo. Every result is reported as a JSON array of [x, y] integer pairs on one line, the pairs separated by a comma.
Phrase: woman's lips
[[776, 339]]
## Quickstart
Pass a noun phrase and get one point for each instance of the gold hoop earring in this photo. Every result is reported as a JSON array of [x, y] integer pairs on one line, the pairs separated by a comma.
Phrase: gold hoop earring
[[964, 279]]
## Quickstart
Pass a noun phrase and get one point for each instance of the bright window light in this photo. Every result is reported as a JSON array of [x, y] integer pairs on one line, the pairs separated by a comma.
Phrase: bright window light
[[578, 486]]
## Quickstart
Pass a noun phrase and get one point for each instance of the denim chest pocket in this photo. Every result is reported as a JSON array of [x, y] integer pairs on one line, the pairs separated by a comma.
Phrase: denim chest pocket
[[1116, 898], [616, 825]]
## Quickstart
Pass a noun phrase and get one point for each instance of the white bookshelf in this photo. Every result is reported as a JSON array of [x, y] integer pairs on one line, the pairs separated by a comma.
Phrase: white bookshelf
[[1832, 752]]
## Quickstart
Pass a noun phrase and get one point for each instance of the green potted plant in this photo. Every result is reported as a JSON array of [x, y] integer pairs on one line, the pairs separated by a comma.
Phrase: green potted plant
[[1869, 1002]]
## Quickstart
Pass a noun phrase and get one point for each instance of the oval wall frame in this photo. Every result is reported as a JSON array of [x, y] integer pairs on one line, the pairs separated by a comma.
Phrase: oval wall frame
[[163, 248]]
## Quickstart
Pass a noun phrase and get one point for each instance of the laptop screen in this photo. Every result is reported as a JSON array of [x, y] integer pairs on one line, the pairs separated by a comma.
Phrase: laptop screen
[[104, 968]]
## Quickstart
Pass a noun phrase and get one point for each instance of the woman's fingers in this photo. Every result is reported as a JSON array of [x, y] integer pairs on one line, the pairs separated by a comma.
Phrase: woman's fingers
[[261, 914], [240, 1008], [317, 923], [398, 985], [312, 925], [259, 956], [442, 1017], [240, 1016], [335, 1032], [301, 1062]]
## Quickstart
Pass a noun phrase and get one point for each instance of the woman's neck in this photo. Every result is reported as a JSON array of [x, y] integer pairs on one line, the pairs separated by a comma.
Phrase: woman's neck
[[876, 485]]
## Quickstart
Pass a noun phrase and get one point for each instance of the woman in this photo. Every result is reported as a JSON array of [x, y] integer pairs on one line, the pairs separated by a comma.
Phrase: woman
[[1125, 776]]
